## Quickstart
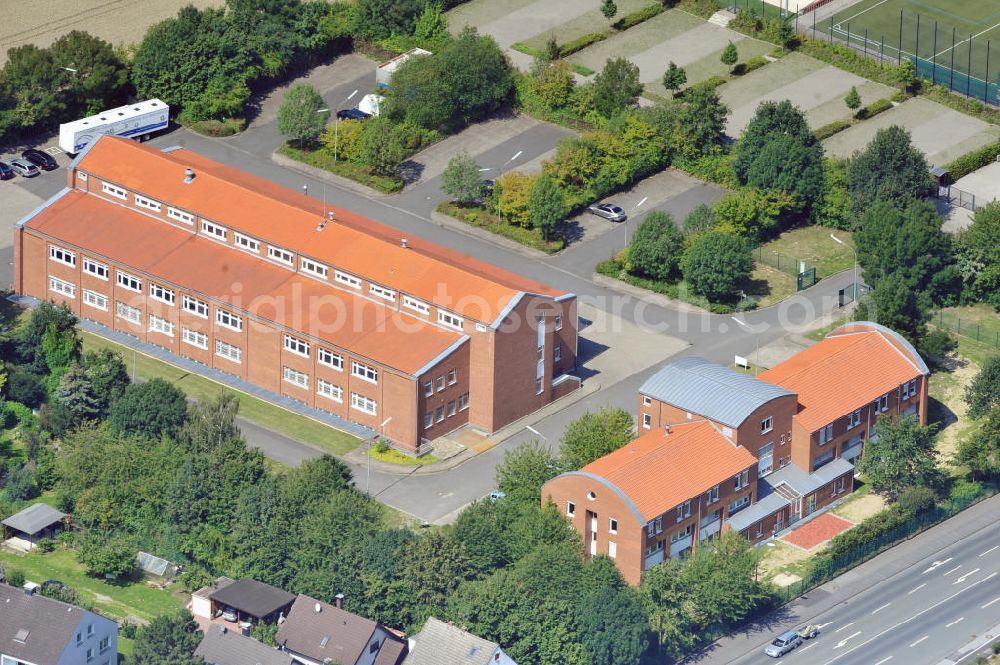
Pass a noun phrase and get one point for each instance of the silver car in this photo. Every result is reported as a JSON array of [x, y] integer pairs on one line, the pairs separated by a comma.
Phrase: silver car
[[24, 168], [782, 644], [608, 211]]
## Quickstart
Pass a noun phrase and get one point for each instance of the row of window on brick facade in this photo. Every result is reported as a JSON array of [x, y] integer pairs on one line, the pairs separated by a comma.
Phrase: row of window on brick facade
[[453, 407]]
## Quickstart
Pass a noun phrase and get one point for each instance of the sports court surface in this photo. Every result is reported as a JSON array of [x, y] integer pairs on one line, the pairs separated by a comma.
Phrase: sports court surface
[[975, 19]]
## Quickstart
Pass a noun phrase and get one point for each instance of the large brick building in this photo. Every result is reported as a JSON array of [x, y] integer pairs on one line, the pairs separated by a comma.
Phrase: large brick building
[[800, 424], [296, 296]]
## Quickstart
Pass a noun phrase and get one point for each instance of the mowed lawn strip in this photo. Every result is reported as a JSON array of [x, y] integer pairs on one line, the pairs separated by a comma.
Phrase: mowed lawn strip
[[120, 600], [265, 414], [814, 245]]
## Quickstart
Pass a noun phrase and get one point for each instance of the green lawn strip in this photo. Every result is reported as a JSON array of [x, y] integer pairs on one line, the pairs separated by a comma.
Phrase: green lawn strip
[[119, 600], [256, 410], [678, 290], [768, 285], [586, 23], [342, 167], [126, 647], [391, 456], [481, 218], [813, 245], [835, 109], [978, 322]]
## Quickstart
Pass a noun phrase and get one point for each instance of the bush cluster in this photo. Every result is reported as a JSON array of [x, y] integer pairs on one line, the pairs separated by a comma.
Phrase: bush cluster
[[639, 16]]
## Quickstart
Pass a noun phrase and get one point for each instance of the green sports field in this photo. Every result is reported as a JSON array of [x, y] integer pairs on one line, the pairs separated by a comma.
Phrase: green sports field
[[903, 28]]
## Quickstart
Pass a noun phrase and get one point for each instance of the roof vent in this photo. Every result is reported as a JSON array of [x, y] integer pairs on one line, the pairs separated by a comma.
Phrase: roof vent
[[188, 176], [339, 601], [330, 215], [317, 608], [22, 635], [323, 642], [321, 225], [666, 428], [403, 243]]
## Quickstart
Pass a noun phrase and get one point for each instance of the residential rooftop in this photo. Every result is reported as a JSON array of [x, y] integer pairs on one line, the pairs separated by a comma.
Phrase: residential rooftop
[[252, 597], [33, 628], [322, 631], [221, 646], [440, 643]]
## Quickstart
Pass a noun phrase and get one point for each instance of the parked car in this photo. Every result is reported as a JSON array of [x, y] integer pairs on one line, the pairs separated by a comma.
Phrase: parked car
[[42, 160], [229, 614], [782, 644], [6, 173], [352, 114], [608, 211], [24, 168]]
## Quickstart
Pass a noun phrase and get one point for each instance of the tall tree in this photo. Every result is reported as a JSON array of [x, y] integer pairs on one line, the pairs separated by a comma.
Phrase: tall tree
[[594, 435], [381, 146], [169, 639], [480, 530], [108, 377], [615, 627], [106, 554], [699, 220], [547, 206], [150, 409], [980, 452], [983, 395], [901, 455], [714, 263], [894, 304], [889, 169], [462, 180], [100, 76], [979, 254], [656, 247], [378, 19], [769, 120], [302, 117], [675, 77], [77, 394], [524, 470], [29, 336], [616, 87], [853, 99], [702, 121]]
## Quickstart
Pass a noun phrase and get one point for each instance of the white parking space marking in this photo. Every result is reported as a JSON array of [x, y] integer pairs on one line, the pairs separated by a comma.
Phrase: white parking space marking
[[953, 570], [956, 621], [995, 600], [919, 641], [844, 627], [994, 548], [966, 576], [876, 611], [884, 660], [917, 589]]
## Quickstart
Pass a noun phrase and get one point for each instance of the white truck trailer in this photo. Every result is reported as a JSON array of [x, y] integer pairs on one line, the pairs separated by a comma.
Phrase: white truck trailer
[[135, 121]]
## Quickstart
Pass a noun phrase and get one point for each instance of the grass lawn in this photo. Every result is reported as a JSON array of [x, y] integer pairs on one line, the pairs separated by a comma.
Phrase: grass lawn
[[395, 457], [979, 323], [481, 218], [256, 410], [813, 245], [345, 168], [119, 600], [768, 285]]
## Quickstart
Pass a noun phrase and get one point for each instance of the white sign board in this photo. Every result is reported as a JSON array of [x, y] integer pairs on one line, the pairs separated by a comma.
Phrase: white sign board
[[742, 362]]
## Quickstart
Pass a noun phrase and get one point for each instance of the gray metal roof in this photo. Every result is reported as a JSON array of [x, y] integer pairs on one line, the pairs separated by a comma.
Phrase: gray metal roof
[[796, 478], [224, 647], [713, 391], [440, 643], [34, 518], [764, 507], [35, 629], [835, 469], [253, 597]]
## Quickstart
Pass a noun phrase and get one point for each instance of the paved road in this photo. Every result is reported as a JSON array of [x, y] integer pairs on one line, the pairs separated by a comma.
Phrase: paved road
[[936, 593]]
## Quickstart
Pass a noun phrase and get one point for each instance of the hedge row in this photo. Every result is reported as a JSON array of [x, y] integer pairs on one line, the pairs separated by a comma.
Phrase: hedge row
[[867, 531], [973, 161], [580, 43], [876, 107], [826, 131], [637, 17]]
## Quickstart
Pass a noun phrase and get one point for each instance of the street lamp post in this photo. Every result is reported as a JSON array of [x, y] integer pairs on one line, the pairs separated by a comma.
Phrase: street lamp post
[[500, 175], [746, 326], [855, 252], [336, 125]]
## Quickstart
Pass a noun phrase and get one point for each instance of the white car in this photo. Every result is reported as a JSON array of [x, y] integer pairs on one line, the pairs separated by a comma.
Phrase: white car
[[608, 211], [782, 644]]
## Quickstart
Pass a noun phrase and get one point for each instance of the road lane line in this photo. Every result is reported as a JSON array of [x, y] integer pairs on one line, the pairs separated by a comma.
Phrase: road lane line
[[806, 648], [953, 570], [842, 642], [958, 620], [884, 660], [876, 611], [995, 547], [936, 564], [917, 589], [919, 641], [844, 627], [966, 576], [995, 600]]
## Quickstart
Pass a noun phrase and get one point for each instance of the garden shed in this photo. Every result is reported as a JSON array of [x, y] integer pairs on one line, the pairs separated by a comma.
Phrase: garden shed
[[36, 522]]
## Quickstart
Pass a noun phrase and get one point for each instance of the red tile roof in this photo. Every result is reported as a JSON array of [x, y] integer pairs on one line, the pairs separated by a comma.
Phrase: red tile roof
[[280, 216], [853, 366], [130, 238], [659, 471]]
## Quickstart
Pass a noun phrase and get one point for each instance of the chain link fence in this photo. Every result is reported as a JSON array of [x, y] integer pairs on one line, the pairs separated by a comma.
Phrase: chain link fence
[[986, 333], [805, 275]]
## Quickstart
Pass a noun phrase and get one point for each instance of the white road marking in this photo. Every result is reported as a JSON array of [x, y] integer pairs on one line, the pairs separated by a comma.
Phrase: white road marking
[[958, 620], [806, 648], [953, 570], [844, 641], [844, 627], [884, 660], [966, 576], [936, 564], [995, 600], [876, 611], [994, 548], [919, 641], [917, 589]]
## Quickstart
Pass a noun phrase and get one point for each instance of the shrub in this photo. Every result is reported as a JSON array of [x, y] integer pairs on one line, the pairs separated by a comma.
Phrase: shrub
[[46, 545], [828, 130], [714, 81], [753, 63], [917, 500], [580, 43], [381, 446], [15, 578], [65, 538], [17, 414], [873, 109], [871, 529], [996, 647], [637, 17], [973, 161], [129, 630]]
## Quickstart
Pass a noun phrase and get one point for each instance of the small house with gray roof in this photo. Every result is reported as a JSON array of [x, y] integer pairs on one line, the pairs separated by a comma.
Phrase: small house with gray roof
[[222, 646], [36, 522], [35, 630], [441, 643]]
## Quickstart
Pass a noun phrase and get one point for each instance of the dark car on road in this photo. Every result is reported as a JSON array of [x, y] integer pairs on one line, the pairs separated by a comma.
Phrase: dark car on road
[[6, 173], [352, 114], [42, 160], [608, 211]]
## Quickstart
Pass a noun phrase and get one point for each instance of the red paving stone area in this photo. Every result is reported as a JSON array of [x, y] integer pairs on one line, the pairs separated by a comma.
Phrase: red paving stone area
[[819, 530]]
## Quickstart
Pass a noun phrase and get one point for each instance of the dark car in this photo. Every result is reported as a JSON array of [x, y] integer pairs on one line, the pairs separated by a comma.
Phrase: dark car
[[6, 173], [608, 211], [42, 160], [352, 114]]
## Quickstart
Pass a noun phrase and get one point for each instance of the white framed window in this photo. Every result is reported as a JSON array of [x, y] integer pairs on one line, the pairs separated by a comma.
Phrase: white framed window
[[228, 351], [297, 346], [738, 504], [452, 377], [161, 293], [428, 388], [228, 319], [161, 325], [450, 320], [130, 282], [362, 403], [909, 389], [647, 421], [384, 294], [612, 525], [682, 534], [295, 377], [95, 268], [82, 175], [104, 644], [246, 242], [440, 383], [439, 414], [61, 255], [558, 321], [329, 390], [180, 216], [416, 305], [95, 300], [539, 385], [117, 192], [329, 358], [194, 338], [196, 307], [684, 511], [346, 279], [646, 401], [882, 403], [712, 495], [612, 549], [557, 352], [148, 204], [363, 371], [214, 231], [766, 425], [451, 408], [127, 312], [280, 255], [62, 287], [742, 480], [825, 434], [570, 508], [655, 527], [312, 267], [854, 419], [428, 420], [463, 402], [765, 457]]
